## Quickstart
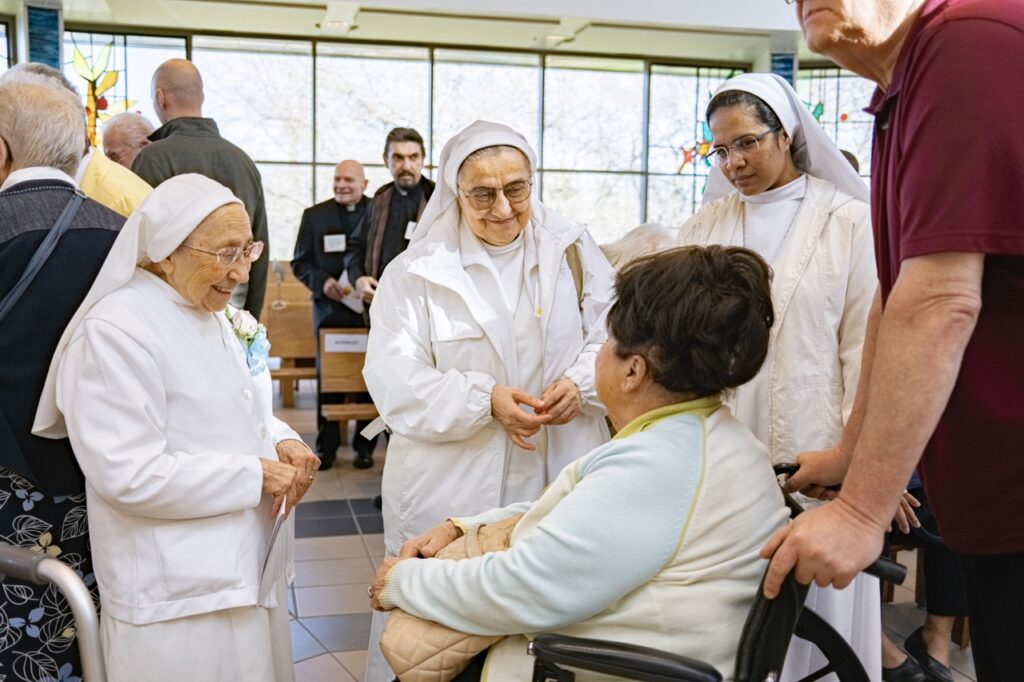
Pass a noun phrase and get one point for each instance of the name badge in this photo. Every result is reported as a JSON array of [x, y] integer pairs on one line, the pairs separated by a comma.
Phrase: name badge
[[409, 229], [334, 243]]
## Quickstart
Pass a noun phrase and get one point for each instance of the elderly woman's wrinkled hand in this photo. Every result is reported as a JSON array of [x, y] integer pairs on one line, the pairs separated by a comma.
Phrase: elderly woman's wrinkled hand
[[380, 581], [298, 454], [562, 400], [279, 480], [518, 423], [429, 543], [906, 518]]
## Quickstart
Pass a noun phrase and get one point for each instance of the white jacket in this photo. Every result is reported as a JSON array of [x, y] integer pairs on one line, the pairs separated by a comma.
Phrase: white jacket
[[168, 428], [823, 285], [436, 350]]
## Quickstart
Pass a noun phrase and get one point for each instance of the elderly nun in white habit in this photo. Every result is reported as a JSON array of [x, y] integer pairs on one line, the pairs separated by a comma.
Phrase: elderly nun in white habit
[[783, 189], [167, 404], [482, 343]]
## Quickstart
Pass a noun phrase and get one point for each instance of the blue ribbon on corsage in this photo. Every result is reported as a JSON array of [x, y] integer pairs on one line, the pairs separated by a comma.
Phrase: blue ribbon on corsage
[[252, 336]]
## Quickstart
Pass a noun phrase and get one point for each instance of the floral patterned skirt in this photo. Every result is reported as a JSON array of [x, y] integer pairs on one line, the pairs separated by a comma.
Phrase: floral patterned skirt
[[37, 629]]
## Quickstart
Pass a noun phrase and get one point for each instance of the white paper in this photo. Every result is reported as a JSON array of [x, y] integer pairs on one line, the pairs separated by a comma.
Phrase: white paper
[[334, 243], [350, 297], [374, 429], [345, 343], [278, 555], [409, 229]]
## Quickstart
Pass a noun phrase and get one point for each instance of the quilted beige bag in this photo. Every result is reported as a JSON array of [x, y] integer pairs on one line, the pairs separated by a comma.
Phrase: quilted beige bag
[[420, 650]]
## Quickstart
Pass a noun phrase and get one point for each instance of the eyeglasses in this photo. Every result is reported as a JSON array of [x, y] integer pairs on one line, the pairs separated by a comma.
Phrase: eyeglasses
[[482, 198], [719, 156], [790, 2], [228, 256]]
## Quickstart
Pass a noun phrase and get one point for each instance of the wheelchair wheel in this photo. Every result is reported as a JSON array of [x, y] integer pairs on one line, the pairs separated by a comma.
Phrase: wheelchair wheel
[[842, 661]]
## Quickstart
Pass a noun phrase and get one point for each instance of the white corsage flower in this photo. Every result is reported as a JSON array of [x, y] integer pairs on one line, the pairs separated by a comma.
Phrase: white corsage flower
[[253, 337]]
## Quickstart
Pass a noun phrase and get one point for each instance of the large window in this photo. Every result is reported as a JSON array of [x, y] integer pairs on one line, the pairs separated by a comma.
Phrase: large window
[[5, 44], [113, 71], [837, 99], [678, 140], [620, 141]]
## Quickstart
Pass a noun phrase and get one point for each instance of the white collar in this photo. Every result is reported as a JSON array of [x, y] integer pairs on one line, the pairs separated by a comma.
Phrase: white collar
[[791, 191], [37, 173], [80, 173]]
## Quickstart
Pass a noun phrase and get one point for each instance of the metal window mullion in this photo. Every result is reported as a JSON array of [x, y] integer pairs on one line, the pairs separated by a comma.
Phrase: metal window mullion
[[430, 111], [312, 165], [645, 140], [542, 85]]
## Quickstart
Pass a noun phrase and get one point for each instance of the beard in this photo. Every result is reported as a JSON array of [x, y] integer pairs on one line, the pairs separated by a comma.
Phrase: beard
[[406, 180]]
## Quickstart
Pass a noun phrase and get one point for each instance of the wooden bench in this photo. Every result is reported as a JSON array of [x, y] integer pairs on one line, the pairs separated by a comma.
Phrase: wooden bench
[[342, 356], [288, 316]]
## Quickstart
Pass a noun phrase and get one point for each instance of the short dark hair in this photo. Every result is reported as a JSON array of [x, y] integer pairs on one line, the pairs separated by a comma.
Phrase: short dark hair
[[731, 98], [404, 135], [699, 316]]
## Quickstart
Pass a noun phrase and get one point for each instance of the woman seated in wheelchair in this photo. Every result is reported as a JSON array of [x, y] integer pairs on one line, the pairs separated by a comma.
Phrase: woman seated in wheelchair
[[652, 538]]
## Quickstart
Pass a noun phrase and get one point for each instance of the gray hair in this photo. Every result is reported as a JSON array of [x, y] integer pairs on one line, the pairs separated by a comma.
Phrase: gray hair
[[130, 124], [494, 150], [39, 74], [41, 125], [640, 241]]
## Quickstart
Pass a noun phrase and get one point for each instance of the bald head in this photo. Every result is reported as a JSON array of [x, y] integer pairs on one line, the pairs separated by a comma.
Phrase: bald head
[[177, 90], [349, 182]]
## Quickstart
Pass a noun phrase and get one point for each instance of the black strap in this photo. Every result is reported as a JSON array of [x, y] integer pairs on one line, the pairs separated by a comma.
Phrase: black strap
[[42, 254]]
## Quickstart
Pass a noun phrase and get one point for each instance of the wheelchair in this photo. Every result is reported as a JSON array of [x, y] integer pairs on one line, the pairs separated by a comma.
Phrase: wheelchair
[[764, 641]]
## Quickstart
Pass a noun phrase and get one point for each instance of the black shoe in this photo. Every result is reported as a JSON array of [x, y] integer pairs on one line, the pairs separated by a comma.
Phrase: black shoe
[[363, 460], [378, 501], [327, 462], [907, 671], [934, 669]]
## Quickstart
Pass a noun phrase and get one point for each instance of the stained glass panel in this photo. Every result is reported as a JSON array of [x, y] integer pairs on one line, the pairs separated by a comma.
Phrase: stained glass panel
[[838, 99]]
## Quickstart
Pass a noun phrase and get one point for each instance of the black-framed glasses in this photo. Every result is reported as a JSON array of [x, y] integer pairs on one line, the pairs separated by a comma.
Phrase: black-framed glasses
[[746, 145], [229, 255], [482, 198]]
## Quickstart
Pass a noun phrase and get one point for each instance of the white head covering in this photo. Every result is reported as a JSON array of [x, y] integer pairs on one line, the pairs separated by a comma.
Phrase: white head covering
[[160, 223], [442, 210], [813, 152]]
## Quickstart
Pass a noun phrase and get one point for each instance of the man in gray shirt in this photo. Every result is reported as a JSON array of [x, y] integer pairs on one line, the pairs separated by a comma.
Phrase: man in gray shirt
[[189, 143]]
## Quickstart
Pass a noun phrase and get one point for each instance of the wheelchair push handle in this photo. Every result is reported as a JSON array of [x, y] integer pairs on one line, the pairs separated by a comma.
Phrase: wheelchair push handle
[[882, 568], [21, 564]]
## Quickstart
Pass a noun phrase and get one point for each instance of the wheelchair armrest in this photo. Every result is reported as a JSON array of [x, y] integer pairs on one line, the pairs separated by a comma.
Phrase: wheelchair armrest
[[625, 660]]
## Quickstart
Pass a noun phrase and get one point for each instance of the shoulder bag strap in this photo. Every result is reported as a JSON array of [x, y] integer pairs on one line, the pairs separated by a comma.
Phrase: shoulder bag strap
[[42, 254], [572, 258]]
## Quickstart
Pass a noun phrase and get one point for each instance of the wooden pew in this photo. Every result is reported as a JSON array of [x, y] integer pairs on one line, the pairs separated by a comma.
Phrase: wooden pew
[[342, 355], [288, 316]]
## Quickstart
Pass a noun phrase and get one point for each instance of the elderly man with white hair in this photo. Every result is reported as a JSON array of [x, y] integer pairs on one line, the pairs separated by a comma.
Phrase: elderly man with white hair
[[46, 222], [124, 136], [115, 187]]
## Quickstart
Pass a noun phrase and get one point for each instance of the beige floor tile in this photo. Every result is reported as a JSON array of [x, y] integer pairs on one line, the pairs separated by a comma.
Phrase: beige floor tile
[[331, 600], [333, 572], [375, 544], [354, 662], [332, 547], [322, 668]]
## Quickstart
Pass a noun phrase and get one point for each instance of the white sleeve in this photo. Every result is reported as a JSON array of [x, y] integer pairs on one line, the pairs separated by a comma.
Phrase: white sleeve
[[111, 392], [598, 294], [414, 398], [626, 515], [861, 283]]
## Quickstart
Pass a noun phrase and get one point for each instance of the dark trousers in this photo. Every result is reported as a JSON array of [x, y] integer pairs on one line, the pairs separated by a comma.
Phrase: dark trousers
[[328, 436], [945, 591], [995, 593]]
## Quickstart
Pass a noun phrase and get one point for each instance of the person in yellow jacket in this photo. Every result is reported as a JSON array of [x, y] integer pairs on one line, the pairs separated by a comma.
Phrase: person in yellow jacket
[[98, 177]]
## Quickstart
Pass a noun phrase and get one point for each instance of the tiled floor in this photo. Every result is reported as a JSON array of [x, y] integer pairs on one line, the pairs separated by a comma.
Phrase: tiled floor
[[339, 544]]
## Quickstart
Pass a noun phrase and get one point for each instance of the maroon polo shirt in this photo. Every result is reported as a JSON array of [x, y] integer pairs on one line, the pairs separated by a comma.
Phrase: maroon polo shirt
[[948, 176]]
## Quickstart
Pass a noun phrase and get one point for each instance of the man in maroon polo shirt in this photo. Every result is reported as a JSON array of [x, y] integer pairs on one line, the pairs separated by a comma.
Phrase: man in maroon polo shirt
[[943, 371]]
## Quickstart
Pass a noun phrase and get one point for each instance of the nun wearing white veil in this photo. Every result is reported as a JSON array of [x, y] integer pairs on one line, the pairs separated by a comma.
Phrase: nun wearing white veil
[[482, 343], [783, 189], [168, 407]]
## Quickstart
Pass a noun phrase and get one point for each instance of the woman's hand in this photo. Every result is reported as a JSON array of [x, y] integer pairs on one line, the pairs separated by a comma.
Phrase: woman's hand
[[298, 454], [518, 423], [278, 479], [562, 400], [820, 471], [905, 516], [380, 581], [431, 542]]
